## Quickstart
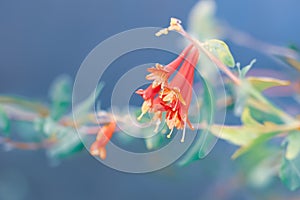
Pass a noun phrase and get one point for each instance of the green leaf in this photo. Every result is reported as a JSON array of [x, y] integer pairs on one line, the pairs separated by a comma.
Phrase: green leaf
[[247, 119], [221, 50], [263, 83], [238, 135], [4, 122], [204, 141], [262, 114], [154, 142], [61, 96], [292, 61], [67, 145], [293, 145], [85, 106], [248, 136], [261, 164], [262, 138], [290, 173], [24, 104], [207, 113], [244, 70], [48, 125]]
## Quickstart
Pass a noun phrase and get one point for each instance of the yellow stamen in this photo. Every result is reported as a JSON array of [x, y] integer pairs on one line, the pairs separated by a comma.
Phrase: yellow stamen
[[169, 135], [164, 31], [157, 126], [175, 24], [145, 107], [183, 133]]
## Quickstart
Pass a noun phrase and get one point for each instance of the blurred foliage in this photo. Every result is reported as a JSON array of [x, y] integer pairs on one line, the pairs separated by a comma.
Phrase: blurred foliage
[[54, 123], [263, 124], [267, 138]]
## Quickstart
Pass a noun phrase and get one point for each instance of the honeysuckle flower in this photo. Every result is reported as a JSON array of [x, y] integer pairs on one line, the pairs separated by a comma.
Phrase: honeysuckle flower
[[103, 137], [148, 96], [160, 74], [171, 97]]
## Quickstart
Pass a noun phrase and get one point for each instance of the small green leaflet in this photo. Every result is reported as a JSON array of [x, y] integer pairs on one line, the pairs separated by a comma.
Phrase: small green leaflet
[[221, 50], [4, 122], [293, 145], [245, 70], [61, 96], [290, 172]]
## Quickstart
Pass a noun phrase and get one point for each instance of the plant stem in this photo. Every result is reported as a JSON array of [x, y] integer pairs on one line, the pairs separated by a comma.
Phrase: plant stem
[[215, 60], [285, 117]]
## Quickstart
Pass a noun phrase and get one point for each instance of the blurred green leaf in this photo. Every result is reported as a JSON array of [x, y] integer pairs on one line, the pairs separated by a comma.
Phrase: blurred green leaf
[[85, 106], [49, 127], [238, 135], [261, 114], [4, 122], [269, 132], [67, 145], [290, 172], [261, 164], [204, 141], [293, 145], [203, 22], [293, 62], [25, 104], [221, 50], [242, 92], [154, 142], [61, 95], [247, 119], [263, 83], [242, 95], [207, 113]]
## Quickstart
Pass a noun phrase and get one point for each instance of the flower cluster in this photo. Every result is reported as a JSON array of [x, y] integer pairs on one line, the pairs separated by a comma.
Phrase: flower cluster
[[172, 97]]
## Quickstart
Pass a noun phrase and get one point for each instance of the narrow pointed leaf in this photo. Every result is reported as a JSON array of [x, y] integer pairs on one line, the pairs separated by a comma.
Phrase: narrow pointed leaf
[[245, 69], [263, 83]]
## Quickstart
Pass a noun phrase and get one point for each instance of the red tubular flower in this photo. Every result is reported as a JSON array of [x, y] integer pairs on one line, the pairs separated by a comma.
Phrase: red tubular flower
[[148, 96], [174, 98], [103, 137], [160, 75]]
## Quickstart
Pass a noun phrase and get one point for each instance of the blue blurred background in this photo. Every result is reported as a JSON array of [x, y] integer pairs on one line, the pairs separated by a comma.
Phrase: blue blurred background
[[40, 40]]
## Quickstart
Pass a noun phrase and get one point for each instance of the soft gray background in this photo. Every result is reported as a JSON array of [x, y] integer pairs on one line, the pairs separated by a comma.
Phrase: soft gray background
[[40, 40]]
